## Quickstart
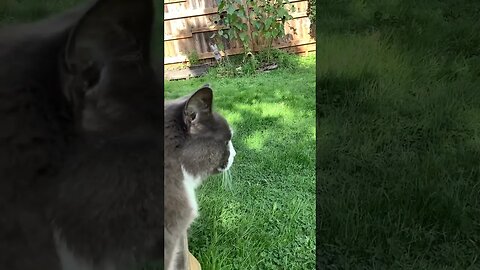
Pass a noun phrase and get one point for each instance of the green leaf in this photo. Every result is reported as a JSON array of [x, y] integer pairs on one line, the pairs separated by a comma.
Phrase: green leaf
[[268, 22], [280, 32], [282, 12], [230, 10], [238, 20], [238, 26], [243, 36], [221, 5], [220, 32], [241, 14]]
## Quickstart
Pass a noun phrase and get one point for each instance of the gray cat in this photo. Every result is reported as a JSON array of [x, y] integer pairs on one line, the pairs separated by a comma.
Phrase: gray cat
[[198, 143]]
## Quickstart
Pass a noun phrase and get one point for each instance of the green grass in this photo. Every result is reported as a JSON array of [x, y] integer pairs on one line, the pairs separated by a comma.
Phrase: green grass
[[266, 220], [398, 134]]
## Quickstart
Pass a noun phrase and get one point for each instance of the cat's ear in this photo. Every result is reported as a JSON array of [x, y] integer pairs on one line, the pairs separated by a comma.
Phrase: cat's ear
[[198, 106], [110, 33]]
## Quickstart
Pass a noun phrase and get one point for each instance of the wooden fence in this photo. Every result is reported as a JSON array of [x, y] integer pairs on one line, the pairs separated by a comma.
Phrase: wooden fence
[[189, 24]]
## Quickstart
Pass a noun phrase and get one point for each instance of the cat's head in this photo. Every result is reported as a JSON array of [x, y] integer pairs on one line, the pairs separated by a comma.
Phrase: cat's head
[[106, 72], [208, 147]]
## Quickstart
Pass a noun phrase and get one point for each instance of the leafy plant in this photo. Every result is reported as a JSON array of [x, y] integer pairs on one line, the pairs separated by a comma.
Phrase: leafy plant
[[225, 69], [282, 58], [250, 64], [233, 16], [267, 19], [193, 58]]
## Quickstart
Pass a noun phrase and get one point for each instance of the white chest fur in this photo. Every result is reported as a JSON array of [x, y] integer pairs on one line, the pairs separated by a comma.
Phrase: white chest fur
[[190, 183]]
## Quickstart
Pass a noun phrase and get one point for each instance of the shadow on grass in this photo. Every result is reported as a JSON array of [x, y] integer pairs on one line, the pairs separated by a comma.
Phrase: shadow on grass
[[397, 137], [387, 177]]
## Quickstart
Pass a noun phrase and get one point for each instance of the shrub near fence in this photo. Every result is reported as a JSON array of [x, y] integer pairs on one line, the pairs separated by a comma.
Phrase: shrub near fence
[[190, 24]]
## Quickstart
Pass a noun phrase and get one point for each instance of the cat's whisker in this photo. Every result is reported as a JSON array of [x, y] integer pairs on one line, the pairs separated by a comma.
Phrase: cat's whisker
[[227, 179]]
